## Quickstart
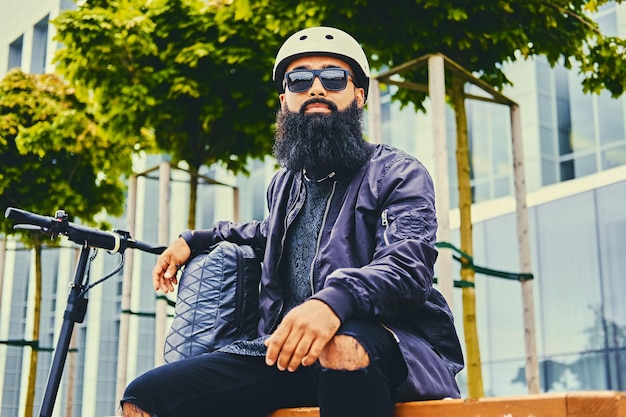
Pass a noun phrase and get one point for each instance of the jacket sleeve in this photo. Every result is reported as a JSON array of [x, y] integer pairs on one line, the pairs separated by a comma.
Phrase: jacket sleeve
[[250, 233], [399, 277], [253, 233]]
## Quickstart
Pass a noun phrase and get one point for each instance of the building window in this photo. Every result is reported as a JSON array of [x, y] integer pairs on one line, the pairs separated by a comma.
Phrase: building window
[[614, 157], [15, 53], [610, 119], [40, 46], [582, 135]]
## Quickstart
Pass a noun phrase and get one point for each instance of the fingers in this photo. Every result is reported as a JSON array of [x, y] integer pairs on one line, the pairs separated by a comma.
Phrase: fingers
[[164, 273], [275, 345], [157, 274], [291, 358], [314, 353], [287, 352], [288, 349], [278, 352]]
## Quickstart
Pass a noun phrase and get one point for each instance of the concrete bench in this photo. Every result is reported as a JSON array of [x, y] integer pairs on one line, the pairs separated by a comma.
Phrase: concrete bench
[[569, 404]]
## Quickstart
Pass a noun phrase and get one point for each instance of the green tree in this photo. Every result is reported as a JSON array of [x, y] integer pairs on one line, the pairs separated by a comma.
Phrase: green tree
[[195, 74], [54, 156]]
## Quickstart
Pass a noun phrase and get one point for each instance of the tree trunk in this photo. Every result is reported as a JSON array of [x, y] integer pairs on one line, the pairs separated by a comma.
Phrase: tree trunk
[[32, 374], [127, 285], [193, 196], [71, 371], [474, 371], [3, 254]]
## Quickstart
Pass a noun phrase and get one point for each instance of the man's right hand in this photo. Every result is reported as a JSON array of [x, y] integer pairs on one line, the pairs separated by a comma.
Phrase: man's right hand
[[164, 274], [302, 335]]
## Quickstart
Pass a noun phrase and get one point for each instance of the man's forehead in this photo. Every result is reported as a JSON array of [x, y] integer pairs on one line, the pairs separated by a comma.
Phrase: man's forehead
[[317, 62]]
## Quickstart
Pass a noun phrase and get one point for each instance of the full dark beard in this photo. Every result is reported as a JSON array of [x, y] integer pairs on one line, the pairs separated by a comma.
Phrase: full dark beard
[[321, 143]]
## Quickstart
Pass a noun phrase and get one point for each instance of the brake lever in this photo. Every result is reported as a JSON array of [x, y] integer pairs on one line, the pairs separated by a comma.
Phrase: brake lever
[[45, 230], [29, 227]]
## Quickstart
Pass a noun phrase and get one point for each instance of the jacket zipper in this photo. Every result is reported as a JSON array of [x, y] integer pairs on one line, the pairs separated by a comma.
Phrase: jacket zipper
[[282, 245], [240, 288], [393, 334], [319, 235], [385, 223]]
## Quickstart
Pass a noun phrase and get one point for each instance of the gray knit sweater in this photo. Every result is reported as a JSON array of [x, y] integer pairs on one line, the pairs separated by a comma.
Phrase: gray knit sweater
[[295, 268]]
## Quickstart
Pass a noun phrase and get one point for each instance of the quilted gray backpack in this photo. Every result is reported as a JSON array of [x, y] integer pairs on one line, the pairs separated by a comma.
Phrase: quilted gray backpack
[[217, 301]]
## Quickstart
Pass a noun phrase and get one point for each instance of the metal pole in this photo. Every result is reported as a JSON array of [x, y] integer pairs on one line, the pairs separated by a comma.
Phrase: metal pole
[[127, 284], [374, 112], [3, 254], [437, 93], [163, 238], [523, 241], [235, 204], [74, 313]]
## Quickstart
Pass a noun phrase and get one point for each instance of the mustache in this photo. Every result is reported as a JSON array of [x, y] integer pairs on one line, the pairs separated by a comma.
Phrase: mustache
[[332, 106]]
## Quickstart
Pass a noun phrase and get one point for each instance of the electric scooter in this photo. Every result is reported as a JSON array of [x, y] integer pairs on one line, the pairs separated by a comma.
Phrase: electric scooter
[[116, 241]]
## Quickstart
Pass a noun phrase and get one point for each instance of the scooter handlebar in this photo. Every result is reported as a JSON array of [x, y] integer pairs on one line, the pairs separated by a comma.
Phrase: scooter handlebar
[[115, 241]]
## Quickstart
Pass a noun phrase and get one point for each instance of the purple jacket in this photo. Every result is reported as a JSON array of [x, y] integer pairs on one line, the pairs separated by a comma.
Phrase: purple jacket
[[374, 259]]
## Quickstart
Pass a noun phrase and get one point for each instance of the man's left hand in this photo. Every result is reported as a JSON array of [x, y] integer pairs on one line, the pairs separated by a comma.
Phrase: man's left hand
[[301, 336]]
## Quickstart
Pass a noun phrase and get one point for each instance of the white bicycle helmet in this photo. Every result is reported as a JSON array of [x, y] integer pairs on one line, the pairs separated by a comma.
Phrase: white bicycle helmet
[[326, 41]]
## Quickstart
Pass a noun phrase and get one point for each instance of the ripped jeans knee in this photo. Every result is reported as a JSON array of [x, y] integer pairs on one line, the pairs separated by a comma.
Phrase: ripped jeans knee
[[359, 370], [344, 352], [131, 410]]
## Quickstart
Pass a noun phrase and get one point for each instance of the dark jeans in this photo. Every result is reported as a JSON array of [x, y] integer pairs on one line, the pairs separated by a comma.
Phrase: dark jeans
[[224, 384]]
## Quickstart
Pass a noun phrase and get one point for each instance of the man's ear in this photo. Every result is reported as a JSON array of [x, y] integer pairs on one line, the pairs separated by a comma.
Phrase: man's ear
[[281, 97], [360, 96]]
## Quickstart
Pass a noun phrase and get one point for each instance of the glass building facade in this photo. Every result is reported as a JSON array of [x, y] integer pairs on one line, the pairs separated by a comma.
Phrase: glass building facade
[[580, 322], [575, 158]]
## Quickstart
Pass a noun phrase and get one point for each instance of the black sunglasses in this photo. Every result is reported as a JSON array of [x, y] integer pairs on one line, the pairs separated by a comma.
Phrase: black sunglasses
[[333, 79]]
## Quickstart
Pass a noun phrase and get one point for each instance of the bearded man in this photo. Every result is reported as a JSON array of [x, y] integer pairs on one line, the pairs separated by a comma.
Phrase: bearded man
[[349, 318]]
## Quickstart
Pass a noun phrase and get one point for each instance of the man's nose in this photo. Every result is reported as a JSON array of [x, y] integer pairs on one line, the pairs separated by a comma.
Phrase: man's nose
[[317, 88]]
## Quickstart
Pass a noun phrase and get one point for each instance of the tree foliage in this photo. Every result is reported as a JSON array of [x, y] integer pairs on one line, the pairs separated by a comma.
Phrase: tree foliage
[[195, 74], [53, 154], [483, 36]]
